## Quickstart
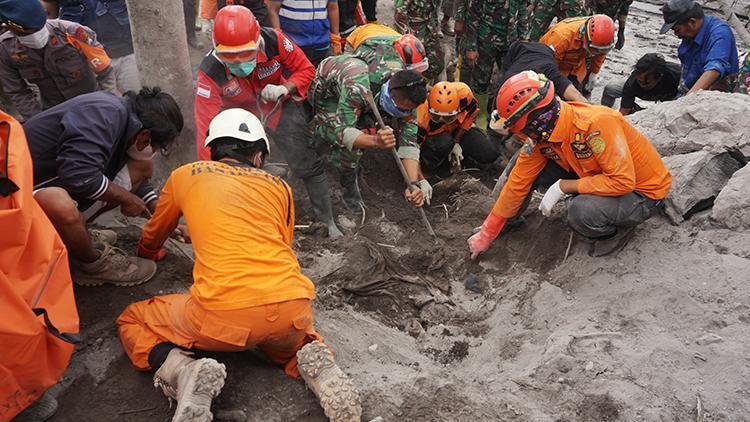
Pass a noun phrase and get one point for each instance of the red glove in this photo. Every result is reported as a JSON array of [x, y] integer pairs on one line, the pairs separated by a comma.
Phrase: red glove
[[154, 255], [480, 242]]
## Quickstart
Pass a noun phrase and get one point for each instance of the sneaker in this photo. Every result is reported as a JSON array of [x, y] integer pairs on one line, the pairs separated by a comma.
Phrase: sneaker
[[604, 247], [115, 267], [194, 383], [41, 410], [338, 397], [102, 237]]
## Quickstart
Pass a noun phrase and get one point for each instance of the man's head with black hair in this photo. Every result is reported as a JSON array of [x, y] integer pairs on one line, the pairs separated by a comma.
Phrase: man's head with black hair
[[407, 89], [650, 69], [160, 116]]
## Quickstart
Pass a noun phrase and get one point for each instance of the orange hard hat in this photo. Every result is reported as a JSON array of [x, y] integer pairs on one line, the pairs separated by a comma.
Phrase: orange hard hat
[[599, 31], [444, 99], [235, 30], [412, 52], [519, 96]]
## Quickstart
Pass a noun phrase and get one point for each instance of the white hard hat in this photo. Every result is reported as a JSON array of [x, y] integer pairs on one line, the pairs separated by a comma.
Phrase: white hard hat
[[238, 124]]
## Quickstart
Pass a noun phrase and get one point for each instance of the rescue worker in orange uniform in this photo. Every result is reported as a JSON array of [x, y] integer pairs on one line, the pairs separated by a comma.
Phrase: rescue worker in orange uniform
[[581, 46], [615, 176], [447, 131], [63, 59], [248, 288], [261, 70]]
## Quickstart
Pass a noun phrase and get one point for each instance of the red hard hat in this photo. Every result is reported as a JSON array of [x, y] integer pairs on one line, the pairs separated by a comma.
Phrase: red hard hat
[[520, 95], [599, 31], [412, 52], [235, 30]]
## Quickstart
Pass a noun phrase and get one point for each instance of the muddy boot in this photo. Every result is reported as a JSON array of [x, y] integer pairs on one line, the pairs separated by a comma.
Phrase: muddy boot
[[603, 247], [41, 410], [193, 383], [320, 198], [115, 267], [338, 396], [103, 237], [352, 196]]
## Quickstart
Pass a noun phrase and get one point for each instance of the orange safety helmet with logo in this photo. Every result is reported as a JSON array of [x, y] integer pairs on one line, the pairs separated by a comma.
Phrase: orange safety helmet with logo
[[40, 321], [412, 53], [599, 32]]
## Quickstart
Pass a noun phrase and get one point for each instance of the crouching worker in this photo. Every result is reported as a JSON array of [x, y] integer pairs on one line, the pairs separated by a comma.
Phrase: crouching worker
[[446, 128], [248, 289], [616, 178]]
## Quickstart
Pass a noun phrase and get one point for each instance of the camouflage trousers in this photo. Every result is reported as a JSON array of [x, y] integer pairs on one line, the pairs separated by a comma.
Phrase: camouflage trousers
[[546, 10], [478, 77], [427, 32], [323, 126], [741, 82]]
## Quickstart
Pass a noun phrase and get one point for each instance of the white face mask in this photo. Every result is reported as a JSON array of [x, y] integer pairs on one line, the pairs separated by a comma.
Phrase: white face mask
[[36, 40], [143, 155]]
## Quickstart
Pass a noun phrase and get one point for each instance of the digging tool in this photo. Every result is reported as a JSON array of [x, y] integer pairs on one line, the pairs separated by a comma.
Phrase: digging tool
[[264, 117], [381, 123]]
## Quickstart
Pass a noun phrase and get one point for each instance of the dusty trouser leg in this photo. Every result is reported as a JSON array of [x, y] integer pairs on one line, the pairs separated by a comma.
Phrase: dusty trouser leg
[[346, 164], [612, 91], [449, 10], [316, 55], [599, 217], [295, 140], [434, 48], [189, 10], [126, 73], [477, 147], [435, 150]]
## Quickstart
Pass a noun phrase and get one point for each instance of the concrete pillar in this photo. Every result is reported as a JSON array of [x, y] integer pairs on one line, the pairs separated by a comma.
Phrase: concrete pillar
[[161, 50]]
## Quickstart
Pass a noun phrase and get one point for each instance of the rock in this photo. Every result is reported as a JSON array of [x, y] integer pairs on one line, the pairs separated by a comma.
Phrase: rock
[[373, 349], [472, 284], [692, 122], [589, 366], [697, 179], [709, 338], [414, 328], [231, 415], [732, 206]]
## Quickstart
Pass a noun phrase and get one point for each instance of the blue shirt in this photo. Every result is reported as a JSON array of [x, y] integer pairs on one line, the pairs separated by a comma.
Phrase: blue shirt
[[713, 48], [306, 22], [108, 18]]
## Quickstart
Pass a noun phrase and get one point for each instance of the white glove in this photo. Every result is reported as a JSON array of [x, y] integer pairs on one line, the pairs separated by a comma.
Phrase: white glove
[[456, 156], [553, 195], [271, 93], [426, 189], [593, 79]]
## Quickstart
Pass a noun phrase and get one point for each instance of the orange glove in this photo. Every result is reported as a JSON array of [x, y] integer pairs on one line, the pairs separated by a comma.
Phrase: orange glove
[[154, 255], [481, 241], [336, 44]]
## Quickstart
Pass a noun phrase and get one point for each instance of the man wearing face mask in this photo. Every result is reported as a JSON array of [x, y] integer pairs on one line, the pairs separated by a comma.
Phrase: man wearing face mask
[[614, 176], [62, 58], [342, 117], [91, 154], [447, 131], [254, 68]]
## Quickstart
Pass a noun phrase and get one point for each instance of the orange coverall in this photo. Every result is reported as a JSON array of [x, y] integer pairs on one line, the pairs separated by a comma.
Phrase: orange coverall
[[248, 288], [609, 155], [566, 39]]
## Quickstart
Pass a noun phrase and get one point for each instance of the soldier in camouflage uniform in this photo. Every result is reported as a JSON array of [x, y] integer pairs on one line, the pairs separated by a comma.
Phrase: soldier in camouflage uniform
[[618, 11], [342, 117], [420, 17], [545, 10]]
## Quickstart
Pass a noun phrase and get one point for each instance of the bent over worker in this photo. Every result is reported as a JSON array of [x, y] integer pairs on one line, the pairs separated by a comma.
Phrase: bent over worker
[[63, 59], [248, 288], [261, 70], [367, 41], [447, 131], [615, 176], [581, 46]]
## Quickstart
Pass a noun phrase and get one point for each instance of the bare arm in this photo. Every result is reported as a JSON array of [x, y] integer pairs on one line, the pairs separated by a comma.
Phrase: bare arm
[[707, 79], [572, 94], [273, 13], [333, 16]]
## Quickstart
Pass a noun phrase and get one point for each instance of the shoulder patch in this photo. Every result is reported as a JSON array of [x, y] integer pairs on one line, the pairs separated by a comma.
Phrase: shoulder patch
[[203, 90], [597, 145], [581, 149], [288, 46], [592, 135]]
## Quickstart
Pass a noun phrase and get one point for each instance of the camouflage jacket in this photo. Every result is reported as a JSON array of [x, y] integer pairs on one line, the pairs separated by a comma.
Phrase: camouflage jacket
[[612, 8], [418, 11], [499, 22]]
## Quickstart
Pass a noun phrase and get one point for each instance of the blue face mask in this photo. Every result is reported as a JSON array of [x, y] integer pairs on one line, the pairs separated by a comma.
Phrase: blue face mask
[[388, 105], [243, 69]]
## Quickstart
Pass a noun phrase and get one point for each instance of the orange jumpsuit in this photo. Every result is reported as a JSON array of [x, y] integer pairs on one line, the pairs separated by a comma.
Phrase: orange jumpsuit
[[609, 155], [566, 39], [248, 288]]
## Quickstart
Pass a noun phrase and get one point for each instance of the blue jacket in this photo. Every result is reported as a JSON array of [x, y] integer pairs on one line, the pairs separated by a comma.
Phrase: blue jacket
[[108, 18], [306, 22], [80, 145], [713, 48]]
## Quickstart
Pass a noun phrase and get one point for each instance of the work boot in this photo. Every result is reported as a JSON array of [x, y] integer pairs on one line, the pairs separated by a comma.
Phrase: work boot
[[320, 198], [103, 237], [604, 247], [115, 267], [41, 410], [192, 382], [350, 184], [338, 396]]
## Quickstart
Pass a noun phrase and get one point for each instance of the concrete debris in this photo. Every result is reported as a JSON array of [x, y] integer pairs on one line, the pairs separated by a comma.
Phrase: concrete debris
[[732, 205], [709, 338], [706, 118], [697, 179]]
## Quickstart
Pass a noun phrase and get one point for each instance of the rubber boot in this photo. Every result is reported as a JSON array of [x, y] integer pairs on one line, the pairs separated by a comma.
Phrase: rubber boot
[[338, 396], [41, 410], [350, 184], [320, 198], [193, 383]]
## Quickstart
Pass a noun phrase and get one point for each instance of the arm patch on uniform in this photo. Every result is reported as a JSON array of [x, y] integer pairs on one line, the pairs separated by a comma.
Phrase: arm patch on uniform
[[597, 145], [203, 90]]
